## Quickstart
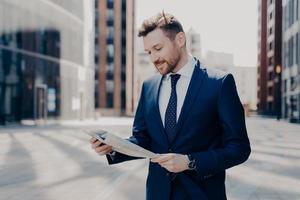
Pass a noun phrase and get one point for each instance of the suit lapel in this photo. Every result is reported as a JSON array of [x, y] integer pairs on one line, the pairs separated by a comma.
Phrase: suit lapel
[[192, 92], [156, 88]]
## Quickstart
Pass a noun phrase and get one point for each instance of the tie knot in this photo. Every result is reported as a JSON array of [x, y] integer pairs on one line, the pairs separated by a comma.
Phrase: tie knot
[[174, 79]]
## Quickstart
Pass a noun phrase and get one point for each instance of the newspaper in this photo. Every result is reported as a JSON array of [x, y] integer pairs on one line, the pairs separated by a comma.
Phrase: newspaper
[[120, 145]]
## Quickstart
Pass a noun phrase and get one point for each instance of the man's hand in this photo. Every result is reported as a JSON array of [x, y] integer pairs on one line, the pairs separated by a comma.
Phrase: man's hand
[[172, 162], [100, 148]]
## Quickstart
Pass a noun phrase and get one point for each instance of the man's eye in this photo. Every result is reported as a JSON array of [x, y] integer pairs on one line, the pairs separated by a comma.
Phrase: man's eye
[[157, 49]]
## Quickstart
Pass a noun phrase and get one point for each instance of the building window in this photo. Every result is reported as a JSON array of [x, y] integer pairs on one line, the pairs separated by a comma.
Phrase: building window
[[109, 100], [291, 12], [270, 91], [110, 86], [270, 106], [270, 61], [270, 46], [293, 85], [285, 85], [110, 15], [297, 10], [110, 50], [286, 53], [110, 4], [271, 15], [291, 52], [270, 31], [297, 48], [110, 32], [270, 75], [110, 68]]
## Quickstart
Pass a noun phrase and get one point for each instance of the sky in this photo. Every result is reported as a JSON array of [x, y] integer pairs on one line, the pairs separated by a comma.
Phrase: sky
[[228, 26]]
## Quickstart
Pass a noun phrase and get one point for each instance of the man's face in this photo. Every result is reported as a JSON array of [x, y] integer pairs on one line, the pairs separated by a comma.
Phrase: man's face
[[164, 53]]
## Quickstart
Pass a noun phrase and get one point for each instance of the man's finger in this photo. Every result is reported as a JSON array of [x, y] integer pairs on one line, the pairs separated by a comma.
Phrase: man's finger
[[93, 140], [96, 144], [109, 150], [163, 158], [102, 148], [167, 163], [105, 151]]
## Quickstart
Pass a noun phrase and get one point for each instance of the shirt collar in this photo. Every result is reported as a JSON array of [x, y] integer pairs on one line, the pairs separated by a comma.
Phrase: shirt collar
[[186, 70]]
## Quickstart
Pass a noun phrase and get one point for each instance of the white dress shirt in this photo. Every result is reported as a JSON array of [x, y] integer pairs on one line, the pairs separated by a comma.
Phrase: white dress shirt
[[181, 88]]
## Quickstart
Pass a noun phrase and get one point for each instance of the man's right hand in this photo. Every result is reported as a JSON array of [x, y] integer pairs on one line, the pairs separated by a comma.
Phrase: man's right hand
[[100, 148]]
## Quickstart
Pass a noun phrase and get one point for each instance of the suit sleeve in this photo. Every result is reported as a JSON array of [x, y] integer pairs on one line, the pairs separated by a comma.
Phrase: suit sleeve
[[139, 133], [236, 146]]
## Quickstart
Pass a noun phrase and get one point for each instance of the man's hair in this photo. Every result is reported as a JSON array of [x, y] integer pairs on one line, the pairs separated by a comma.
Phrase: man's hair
[[165, 21]]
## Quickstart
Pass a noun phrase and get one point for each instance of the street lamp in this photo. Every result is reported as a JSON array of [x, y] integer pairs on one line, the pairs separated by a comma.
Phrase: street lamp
[[278, 71]]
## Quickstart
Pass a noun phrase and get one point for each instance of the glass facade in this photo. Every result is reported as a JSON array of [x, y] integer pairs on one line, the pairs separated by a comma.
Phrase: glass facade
[[110, 54], [46, 59], [29, 77]]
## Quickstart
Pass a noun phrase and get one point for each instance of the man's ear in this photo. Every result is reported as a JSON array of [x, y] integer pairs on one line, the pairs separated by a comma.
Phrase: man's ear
[[180, 39]]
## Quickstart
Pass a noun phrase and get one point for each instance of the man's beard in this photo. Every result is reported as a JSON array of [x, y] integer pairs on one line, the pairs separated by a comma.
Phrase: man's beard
[[170, 67]]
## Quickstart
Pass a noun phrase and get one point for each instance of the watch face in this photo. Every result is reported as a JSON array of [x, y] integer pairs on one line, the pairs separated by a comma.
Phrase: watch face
[[192, 164]]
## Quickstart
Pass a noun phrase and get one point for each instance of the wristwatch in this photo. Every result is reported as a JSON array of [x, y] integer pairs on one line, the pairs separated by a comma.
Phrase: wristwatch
[[192, 162]]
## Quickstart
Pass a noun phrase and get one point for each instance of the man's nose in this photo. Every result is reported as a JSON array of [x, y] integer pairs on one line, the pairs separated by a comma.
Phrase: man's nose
[[154, 58]]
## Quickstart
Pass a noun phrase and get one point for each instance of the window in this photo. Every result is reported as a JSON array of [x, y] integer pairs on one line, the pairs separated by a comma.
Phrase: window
[[110, 50], [110, 86], [297, 10], [270, 105], [297, 48], [290, 52], [270, 31], [270, 91], [291, 12], [270, 61], [110, 14], [110, 68], [271, 15], [110, 32], [270, 75], [270, 46], [293, 83], [286, 17], [285, 85]]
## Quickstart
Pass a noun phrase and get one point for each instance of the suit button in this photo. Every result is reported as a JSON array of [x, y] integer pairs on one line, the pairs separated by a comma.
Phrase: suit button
[[170, 150], [167, 174]]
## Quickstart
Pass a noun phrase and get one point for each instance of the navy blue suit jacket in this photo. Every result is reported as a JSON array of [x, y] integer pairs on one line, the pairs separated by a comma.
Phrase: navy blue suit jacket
[[211, 127]]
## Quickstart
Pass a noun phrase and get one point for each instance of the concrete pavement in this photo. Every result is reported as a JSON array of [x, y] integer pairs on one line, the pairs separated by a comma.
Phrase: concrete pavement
[[56, 162]]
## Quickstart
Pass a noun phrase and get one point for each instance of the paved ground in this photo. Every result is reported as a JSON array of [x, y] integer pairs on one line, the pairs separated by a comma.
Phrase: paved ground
[[55, 162]]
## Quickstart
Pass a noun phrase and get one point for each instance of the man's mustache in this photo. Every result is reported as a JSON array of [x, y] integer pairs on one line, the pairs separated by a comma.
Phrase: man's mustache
[[157, 63]]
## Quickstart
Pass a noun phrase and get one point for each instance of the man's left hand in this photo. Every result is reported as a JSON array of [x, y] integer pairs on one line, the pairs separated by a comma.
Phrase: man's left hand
[[172, 162]]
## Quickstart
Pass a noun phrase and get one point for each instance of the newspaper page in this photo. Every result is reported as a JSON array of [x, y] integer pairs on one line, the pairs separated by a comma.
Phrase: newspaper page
[[120, 145]]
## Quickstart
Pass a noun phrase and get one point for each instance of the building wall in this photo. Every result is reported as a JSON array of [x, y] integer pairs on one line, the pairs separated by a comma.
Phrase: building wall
[[114, 62], [193, 43], [262, 55], [220, 60], [245, 76], [245, 79], [72, 22], [143, 69], [269, 46], [291, 61]]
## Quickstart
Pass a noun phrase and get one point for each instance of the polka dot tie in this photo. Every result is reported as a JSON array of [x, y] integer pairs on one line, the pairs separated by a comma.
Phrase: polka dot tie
[[170, 116]]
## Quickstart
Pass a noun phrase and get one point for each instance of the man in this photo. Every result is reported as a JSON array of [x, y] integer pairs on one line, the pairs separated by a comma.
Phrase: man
[[191, 116]]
